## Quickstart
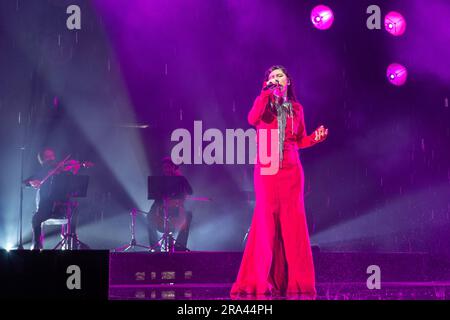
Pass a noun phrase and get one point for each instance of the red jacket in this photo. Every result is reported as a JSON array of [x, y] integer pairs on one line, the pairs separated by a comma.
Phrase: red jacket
[[296, 137]]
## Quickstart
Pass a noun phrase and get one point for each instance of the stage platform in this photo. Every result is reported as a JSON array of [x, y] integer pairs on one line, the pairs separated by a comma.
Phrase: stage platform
[[325, 291], [339, 275], [104, 275]]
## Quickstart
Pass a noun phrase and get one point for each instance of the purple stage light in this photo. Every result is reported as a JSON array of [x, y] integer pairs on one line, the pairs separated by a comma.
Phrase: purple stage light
[[322, 17], [395, 23], [397, 74]]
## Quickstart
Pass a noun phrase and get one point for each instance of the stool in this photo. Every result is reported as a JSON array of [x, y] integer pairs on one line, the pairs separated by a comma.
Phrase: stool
[[54, 222]]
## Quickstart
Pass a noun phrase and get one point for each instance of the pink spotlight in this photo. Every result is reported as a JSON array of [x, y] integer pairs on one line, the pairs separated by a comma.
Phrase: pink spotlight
[[397, 74], [322, 17], [395, 23]]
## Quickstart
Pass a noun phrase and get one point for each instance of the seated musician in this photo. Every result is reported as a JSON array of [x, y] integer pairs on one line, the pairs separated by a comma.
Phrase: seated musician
[[178, 216], [42, 181]]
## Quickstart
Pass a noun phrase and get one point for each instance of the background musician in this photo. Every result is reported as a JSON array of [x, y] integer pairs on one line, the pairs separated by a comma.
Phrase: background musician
[[42, 181], [175, 210]]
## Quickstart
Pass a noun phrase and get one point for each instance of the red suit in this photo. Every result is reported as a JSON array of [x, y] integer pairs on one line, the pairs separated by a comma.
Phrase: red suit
[[277, 257]]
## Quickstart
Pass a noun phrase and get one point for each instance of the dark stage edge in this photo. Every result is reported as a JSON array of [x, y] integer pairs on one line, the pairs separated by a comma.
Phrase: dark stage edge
[[339, 276]]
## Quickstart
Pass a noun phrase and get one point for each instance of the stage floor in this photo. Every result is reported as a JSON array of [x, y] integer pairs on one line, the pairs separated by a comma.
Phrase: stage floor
[[104, 275], [339, 276], [325, 291]]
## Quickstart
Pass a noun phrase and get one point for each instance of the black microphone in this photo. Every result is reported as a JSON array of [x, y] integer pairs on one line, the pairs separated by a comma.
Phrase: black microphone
[[271, 85]]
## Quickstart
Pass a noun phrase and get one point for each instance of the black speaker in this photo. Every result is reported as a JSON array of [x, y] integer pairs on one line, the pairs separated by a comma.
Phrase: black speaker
[[53, 275]]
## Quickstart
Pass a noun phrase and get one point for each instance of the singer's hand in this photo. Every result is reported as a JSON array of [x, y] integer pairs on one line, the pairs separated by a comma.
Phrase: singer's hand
[[273, 81], [320, 134], [269, 86]]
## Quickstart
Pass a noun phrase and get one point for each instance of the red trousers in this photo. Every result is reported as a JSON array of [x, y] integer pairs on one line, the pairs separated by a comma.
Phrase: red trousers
[[277, 258]]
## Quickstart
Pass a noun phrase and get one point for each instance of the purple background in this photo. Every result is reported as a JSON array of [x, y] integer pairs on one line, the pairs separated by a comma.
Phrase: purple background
[[381, 181]]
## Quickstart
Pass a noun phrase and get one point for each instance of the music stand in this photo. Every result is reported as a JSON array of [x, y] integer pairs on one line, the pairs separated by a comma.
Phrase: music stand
[[133, 243], [63, 187], [165, 188]]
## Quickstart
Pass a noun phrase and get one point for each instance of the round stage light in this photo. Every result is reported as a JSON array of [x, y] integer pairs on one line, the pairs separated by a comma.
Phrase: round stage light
[[395, 23], [397, 74], [322, 17]]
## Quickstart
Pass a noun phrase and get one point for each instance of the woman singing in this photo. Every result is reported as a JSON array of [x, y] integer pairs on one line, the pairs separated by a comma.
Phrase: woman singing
[[277, 258]]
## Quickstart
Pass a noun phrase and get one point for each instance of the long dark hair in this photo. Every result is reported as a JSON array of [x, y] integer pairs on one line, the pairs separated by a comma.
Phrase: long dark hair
[[290, 90]]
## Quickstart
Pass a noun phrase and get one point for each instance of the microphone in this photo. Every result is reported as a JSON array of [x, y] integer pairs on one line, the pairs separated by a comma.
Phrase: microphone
[[271, 85]]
